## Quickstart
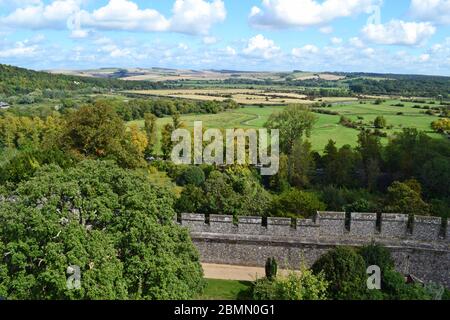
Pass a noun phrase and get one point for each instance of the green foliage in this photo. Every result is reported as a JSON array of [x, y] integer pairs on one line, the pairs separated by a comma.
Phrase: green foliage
[[395, 288], [377, 255], [271, 268], [293, 122], [14, 81], [113, 223], [96, 131], [192, 200], [236, 192], [151, 130], [380, 122], [301, 164], [297, 204], [340, 165], [191, 175], [296, 286], [403, 199], [345, 270], [441, 125], [17, 166]]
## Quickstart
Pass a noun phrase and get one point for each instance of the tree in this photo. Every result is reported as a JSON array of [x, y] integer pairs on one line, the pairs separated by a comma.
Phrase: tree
[[435, 175], [96, 131], [297, 204], [380, 122], [441, 125], [112, 223], [236, 192], [369, 147], [151, 130], [280, 181], [403, 199], [293, 122], [168, 129], [191, 175], [191, 200], [271, 268], [138, 139], [302, 164], [345, 270], [341, 165]]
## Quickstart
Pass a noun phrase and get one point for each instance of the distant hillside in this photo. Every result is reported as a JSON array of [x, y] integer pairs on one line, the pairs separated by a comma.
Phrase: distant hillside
[[16, 81]]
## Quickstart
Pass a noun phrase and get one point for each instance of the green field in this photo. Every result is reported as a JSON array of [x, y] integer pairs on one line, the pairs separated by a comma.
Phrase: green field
[[327, 126], [226, 290]]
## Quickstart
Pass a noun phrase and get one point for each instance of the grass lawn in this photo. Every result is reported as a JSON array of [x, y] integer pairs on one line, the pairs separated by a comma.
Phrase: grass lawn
[[225, 290], [327, 126]]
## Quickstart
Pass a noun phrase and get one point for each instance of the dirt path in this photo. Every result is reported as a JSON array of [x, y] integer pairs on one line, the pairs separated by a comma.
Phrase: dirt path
[[240, 273], [227, 272]]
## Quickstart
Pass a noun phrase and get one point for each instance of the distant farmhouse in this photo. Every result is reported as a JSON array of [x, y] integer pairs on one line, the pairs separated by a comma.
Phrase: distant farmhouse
[[4, 105]]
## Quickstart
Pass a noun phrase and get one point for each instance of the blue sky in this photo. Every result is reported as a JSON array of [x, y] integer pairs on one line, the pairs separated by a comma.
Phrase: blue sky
[[397, 36]]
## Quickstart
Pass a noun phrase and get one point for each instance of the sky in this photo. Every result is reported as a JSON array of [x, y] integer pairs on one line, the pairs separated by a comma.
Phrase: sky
[[384, 36]]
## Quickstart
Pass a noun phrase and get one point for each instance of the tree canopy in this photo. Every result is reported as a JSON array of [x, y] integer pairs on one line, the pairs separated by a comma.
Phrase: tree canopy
[[112, 223]]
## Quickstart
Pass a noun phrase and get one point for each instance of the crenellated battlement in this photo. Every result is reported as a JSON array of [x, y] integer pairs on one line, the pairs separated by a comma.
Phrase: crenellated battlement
[[325, 225], [419, 245]]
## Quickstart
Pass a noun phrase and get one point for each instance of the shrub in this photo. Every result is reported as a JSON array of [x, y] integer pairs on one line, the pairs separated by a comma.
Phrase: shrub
[[395, 287], [377, 255], [296, 286], [345, 270], [295, 203], [191, 175], [380, 122], [271, 268]]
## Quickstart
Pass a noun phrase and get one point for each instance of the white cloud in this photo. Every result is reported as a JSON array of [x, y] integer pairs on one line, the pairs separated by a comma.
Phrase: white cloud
[[209, 40], [336, 40], [197, 16], [326, 29], [230, 51], [189, 16], [304, 51], [424, 57], [436, 11], [397, 32], [260, 47], [21, 49], [124, 15], [356, 42], [304, 13], [37, 15]]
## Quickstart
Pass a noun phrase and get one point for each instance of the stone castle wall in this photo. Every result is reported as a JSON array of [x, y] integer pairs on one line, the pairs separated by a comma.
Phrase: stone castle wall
[[420, 247]]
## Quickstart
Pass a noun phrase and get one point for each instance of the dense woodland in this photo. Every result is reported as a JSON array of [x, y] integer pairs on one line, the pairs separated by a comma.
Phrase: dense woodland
[[18, 81], [76, 187]]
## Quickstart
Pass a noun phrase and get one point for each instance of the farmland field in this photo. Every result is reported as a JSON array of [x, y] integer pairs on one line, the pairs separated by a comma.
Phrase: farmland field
[[327, 126], [241, 96]]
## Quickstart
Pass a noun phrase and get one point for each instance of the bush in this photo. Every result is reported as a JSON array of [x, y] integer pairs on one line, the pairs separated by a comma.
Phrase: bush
[[271, 268], [380, 122], [395, 287], [296, 204], [345, 270], [376, 255], [296, 286], [191, 175]]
